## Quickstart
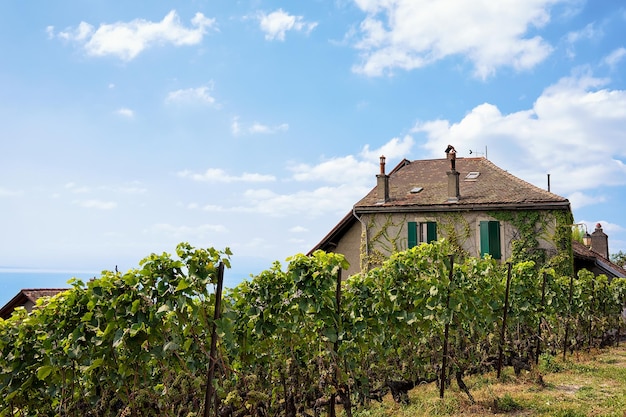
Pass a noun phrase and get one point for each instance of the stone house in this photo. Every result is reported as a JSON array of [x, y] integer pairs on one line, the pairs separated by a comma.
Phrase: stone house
[[594, 256], [480, 208]]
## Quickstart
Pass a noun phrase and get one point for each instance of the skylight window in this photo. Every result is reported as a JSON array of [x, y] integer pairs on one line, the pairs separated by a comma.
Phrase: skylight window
[[471, 176], [416, 190]]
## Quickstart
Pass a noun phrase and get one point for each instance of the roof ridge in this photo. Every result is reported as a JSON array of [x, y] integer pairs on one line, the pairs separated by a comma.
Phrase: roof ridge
[[522, 181]]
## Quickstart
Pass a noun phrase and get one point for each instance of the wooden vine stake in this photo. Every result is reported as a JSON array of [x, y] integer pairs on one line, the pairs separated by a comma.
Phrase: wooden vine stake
[[331, 403], [504, 314], [569, 314], [209, 392], [593, 296], [543, 307], [442, 378]]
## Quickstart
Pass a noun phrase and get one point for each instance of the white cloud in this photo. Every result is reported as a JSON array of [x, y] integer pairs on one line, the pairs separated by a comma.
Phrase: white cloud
[[276, 24], [97, 204], [308, 203], [409, 34], [80, 34], [192, 95], [350, 169], [261, 128], [133, 188], [298, 229], [186, 232], [574, 132], [615, 57], [126, 40], [219, 175], [214, 208], [72, 187], [586, 33], [352, 177], [237, 128], [125, 112], [394, 149], [607, 227], [346, 169], [5, 192], [579, 199]]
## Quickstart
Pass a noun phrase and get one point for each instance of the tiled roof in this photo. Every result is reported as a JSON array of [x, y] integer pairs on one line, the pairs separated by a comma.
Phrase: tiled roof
[[26, 295], [36, 293], [583, 252], [493, 187]]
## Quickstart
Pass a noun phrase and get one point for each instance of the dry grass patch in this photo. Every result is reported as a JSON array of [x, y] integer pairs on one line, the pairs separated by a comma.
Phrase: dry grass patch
[[586, 384]]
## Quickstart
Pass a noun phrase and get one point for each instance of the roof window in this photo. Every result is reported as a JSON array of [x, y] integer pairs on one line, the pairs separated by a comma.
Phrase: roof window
[[471, 176], [416, 190]]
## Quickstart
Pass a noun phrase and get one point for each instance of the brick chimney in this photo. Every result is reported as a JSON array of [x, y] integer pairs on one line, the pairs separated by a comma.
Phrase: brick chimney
[[382, 182], [454, 192], [600, 242]]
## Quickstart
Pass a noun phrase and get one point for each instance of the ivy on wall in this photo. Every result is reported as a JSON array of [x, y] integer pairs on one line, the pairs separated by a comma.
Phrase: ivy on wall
[[530, 226], [457, 231], [563, 262], [388, 239], [390, 236]]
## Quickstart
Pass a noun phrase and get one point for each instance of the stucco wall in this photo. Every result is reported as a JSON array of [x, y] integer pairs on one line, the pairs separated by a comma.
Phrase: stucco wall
[[350, 247], [387, 233]]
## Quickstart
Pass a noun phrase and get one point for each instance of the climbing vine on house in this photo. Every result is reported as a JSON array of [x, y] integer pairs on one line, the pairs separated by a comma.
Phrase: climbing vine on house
[[391, 236], [532, 225], [387, 239], [457, 231]]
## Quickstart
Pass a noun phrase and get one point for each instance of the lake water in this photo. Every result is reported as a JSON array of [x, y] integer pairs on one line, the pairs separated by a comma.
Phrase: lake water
[[11, 282]]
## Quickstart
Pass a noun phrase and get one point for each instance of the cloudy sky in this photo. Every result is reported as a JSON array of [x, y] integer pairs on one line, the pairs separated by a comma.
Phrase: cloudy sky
[[127, 127]]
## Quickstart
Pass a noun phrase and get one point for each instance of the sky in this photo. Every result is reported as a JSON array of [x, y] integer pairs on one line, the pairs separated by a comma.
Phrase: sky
[[128, 127]]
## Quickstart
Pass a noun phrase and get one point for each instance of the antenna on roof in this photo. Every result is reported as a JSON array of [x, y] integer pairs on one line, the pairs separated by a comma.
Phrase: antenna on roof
[[479, 153]]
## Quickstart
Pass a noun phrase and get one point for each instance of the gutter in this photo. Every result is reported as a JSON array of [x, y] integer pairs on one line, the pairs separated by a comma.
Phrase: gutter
[[459, 208], [608, 267], [367, 249]]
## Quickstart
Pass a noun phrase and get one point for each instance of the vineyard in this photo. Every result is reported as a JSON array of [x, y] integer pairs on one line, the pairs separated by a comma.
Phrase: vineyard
[[162, 339]]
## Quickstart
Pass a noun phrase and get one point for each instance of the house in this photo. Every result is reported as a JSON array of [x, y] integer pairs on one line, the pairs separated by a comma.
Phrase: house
[[594, 256], [480, 208], [27, 298]]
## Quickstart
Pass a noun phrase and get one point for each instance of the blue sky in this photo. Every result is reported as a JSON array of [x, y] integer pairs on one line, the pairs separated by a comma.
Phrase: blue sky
[[127, 127]]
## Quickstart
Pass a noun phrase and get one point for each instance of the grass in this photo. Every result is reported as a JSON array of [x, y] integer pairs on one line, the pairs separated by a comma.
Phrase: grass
[[586, 384]]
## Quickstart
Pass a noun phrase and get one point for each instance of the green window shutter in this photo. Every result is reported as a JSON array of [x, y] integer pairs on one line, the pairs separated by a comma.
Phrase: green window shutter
[[484, 238], [431, 232], [490, 239], [412, 234], [494, 240]]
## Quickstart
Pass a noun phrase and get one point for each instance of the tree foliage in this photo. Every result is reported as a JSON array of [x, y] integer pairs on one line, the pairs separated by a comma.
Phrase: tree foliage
[[619, 258]]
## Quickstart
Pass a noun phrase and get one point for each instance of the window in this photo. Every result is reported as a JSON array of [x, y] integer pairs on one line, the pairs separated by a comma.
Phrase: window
[[490, 239], [422, 232]]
